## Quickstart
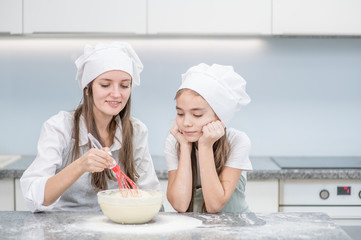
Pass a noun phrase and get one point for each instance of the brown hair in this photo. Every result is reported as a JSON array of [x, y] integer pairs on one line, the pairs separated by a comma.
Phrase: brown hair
[[221, 150], [99, 179]]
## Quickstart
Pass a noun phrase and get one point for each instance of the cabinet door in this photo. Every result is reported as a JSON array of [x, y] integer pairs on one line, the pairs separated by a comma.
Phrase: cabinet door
[[317, 17], [85, 16], [11, 16], [209, 17], [262, 195], [7, 194], [19, 199], [167, 206]]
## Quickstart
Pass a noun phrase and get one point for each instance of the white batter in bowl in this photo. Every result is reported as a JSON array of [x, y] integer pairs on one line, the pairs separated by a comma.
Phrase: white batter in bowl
[[121, 207]]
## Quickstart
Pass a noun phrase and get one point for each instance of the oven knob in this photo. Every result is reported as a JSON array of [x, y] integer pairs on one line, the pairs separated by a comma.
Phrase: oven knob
[[324, 194]]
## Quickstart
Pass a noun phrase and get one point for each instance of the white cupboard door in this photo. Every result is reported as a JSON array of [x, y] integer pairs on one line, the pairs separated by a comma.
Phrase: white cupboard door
[[215, 17], [262, 195], [85, 16], [11, 16], [7, 194], [19, 199], [167, 206], [317, 17]]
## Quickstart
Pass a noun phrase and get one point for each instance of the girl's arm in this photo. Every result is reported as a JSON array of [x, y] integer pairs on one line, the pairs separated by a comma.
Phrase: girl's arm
[[179, 190], [94, 160], [216, 190]]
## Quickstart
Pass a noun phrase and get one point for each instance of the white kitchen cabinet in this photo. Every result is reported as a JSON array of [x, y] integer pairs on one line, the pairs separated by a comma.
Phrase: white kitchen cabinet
[[317, 17], [214, 17], [7, 194], [167, 206], [11, 16], [19, 199], [262, 195], [85, 16]]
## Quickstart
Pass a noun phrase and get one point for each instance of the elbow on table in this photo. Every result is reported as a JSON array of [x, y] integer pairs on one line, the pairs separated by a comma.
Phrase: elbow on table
[[213, 210], [46, 203], [178, 206], [214, 207], [181, 208]]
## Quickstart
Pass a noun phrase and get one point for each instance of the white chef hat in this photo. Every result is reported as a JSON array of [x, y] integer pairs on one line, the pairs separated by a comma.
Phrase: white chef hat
[[220, 86], [103, 57]]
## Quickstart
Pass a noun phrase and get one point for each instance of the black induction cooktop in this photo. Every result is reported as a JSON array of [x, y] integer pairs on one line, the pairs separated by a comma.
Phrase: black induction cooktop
[[317, 162]]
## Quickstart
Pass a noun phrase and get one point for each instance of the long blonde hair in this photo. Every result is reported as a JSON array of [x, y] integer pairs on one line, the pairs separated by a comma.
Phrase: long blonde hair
[[99, 179], [221, 151]]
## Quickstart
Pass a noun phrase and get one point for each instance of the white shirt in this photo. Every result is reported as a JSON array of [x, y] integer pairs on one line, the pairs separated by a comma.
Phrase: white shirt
[[238, 158], [54, 153]]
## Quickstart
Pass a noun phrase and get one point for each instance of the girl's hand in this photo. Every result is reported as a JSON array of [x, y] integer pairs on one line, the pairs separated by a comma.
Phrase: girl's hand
[[179, 135], [211, 133], [95, 160]]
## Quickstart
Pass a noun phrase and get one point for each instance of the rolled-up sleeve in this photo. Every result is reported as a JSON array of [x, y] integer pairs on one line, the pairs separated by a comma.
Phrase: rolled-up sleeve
[[170, 152], [240, 149], [51, 144]]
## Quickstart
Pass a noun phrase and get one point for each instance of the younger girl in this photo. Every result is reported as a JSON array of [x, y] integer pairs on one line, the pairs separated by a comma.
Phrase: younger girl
[[206, 161], [67, 173]]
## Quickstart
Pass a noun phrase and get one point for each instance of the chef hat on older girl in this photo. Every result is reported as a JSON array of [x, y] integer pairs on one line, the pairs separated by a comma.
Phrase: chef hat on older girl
[[220, 86], [103, 57]]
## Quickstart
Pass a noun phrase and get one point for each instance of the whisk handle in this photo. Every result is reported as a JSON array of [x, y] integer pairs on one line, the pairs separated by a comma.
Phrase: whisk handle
[[116, 168]]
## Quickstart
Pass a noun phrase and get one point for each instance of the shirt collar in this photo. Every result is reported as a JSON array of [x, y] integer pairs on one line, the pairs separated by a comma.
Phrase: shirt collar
[[83, 136]]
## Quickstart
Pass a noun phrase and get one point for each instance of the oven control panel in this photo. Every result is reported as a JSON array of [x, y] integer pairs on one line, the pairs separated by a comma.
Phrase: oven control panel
[[320, 192], [341, 190]]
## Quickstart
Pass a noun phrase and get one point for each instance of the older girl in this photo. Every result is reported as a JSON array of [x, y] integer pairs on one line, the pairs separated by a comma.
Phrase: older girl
[[206, 161], [67, 173]]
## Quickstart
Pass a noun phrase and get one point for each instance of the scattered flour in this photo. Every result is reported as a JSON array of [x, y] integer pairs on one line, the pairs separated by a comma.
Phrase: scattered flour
[[159, 224]]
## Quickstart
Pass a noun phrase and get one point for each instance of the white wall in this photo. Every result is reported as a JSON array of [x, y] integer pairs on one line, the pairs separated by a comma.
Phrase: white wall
[[306, 97]]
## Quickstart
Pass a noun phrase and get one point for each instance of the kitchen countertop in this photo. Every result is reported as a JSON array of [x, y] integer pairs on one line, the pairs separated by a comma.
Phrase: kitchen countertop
[[263, 169], [94, 225]]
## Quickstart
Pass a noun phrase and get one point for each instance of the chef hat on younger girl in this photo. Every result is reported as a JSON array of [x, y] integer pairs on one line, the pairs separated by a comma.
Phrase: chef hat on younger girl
[[103, 57], [220, 86]]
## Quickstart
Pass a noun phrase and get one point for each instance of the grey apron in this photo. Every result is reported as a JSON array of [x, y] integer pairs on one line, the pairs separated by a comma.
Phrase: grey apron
[[236, 203]]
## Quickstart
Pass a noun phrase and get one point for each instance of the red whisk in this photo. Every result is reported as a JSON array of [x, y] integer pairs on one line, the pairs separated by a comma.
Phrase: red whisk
[[126, 185], [124, 182]]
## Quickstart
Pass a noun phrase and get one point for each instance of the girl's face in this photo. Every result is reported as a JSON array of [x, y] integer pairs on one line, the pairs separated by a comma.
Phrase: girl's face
[[193, 112], [111, 91]]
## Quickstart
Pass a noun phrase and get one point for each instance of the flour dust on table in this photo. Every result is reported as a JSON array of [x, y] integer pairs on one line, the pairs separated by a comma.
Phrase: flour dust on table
[[159, 224]]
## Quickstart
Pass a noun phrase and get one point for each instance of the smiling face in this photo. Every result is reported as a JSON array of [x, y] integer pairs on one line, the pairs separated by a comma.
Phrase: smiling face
[[193, 112], [111, 91]]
